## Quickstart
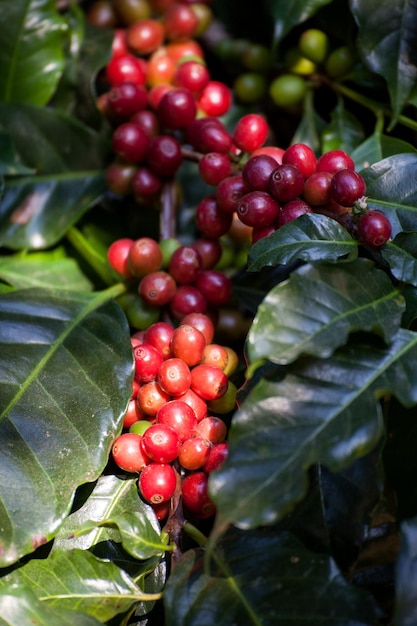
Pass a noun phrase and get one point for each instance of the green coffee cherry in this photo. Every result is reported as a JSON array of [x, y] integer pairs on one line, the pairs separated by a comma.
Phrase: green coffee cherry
[[314, 44], [339, 62], [257, 58], [287, 90], [296, 63], [140, 315], [250, 87]]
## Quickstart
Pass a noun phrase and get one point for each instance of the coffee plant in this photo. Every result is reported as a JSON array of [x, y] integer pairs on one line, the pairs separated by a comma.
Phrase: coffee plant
[[208, 304]]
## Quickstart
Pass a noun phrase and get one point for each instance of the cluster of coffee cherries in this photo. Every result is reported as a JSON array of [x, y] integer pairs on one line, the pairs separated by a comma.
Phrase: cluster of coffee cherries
[[268, 194], [174, 435]]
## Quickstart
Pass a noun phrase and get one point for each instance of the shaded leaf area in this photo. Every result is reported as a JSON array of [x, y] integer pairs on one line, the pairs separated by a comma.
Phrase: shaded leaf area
[[391, 186], [10, 163], [287, 15], [36, 212], [65, 381], [344, 132], [401, 254], [21, 606], [51, 142], [387, 44], [76, 580], [263, 578], [49, 269], [377, 147], [341, 299], [406, 576], [31, 51], [311, 237], [316, 411]]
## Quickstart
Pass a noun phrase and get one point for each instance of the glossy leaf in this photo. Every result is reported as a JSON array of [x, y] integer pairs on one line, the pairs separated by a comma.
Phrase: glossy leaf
[[391, 187], [311, 237], [77, 580], [10, 164], [31, 50], [406, 576], [316, 309], [19, 605], [317, 411], [66, 369], [263, 578], [287, 15], [378, 147], [51, 269], [387, 44], [401, 254]]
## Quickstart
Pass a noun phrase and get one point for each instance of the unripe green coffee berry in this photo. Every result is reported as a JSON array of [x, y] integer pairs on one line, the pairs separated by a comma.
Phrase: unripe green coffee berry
[[314, 44], [296, 63], [287, 90], [339, 62], [250, 87], [257, 58]]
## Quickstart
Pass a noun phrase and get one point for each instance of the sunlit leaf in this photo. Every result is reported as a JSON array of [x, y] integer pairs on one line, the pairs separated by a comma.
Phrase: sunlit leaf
[[318, 411], [65, 382], [263, 578], [311, 237], [315, 310], [387, 44], [77, 580], [31, 50]]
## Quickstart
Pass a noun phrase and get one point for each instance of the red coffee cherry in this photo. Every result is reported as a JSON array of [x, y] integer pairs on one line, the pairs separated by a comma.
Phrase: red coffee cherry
[[161, 443], [157, 288], [151, 397], [286, 183], [317, 188], [147, 363], [157, 483], [144, 36], [174, 376], [177, 109], [125, 69], [303, 157], [159, 336], [210, 219], [144, 257], [202, 322], [179, 416], [250, 132], [188, 344], [215, 99], [145, 184], [128, 453], [208, 134], [195, 496], [187, 299], [374, 229], [257, 171], [212, 428], [194, 453], [126, 99], [258, 209], [208, 381], [164, 155], [196, 402], [217, 456], [335, 160], [213, 167], [117, 255], [291, 210], [130, 142], [229, 193], [346, 187], [180, 22], [192, 75], [184, 264], [215, 286]]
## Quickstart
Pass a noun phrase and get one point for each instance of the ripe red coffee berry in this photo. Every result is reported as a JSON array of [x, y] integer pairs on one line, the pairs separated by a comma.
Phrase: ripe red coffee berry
[[212, 428], [196, 402], [250, 132], [157, 483], [157, 288], [144, 257], [334, 160], [126, 99], [187, 299], [188, 344], [117, 255], [194, 453], [177, 109], [215, 99], [147, 363], [374, 229], [286, 183], [179, 416], [317, 188], [257, 171], [217, 456], [303, 157], [208, 381], [130, 142], [229, 193], [291, 210], [144, 36], [128, 453], [180, 22], [213, 167], [161, 443], [151, 397], [184, 264], [258, 209], [215, 286], [210, 219], [347, 186], [202, 322], [208, 134], [192, 75], [174, 376], [164, 155], [159, 336], [195, 495], [125, 68]]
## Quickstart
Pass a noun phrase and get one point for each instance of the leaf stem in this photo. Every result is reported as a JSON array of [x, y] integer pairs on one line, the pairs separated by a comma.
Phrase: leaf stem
[[91, 255]]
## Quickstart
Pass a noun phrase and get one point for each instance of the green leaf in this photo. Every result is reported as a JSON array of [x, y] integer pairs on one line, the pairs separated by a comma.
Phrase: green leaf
[[10, 164], [51, 269], [320, 411], [311, 237], [263, 579], [50, 142], [77, 580], [288, 14], [377, 147], [387, 44], [391, 187], [401, 254], [344, 132], [19, 605], [406, 576], [37, 211], [316, 309], [66, 371], [31, 50]]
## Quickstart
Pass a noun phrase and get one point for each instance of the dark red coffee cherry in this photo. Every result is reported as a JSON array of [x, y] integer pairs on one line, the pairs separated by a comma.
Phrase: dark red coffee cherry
[[302, 156], [317, 188], [347, 186], [229, 193], [130, 142], [208, 134], [257, 171], [164, 155], [258, 209], [374, 229], [291, 210], [177, 109], [334, 160], [286, 183]]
